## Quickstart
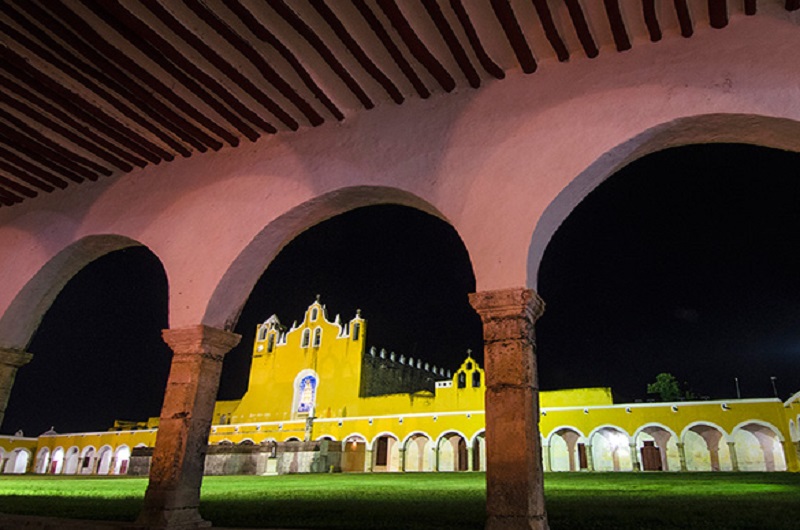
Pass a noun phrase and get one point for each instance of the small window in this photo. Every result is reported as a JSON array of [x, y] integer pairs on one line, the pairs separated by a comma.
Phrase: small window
[[314, 313], [469, 366], [317, 337], [270, 343], [356, 330], [262, 332], [476, 379], [306, 338], [462, 380]]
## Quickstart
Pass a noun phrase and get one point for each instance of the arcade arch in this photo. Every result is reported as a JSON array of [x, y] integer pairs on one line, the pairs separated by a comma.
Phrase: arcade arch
[[706, 449], [565, 452], [610, 449], [758, 446], [452, 453], [417, 452]]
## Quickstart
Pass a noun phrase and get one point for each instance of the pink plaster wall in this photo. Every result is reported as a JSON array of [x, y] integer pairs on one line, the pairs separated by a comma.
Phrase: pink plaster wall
[[504, 164]]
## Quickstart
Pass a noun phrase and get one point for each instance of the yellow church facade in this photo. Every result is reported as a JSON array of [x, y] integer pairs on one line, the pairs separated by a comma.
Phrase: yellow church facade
[[319, 400]]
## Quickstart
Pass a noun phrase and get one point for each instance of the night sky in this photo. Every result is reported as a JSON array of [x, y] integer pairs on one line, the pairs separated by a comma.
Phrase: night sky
[[686, 261]]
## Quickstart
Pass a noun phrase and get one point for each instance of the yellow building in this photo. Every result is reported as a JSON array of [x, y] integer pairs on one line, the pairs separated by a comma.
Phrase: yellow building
[[319, 400]]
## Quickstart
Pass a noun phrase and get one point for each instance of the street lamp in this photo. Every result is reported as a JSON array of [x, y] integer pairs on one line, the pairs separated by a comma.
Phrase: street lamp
[[774, 388], [738, 392]]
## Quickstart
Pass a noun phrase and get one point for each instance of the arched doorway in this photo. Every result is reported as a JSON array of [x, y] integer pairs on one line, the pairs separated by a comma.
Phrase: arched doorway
[[658, 449], [72, 461], [104, 460], [417, 454], [88, 457], [385, 453], [451, 451], [17, 462], [57, 461], [611, 449], [706, 449], [758, 447], [566, 454], [121, 460], [42, 461], [354, 454]]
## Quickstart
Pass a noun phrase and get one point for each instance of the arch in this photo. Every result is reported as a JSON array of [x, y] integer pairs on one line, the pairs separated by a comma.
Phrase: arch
[[71, 461], [56, 461], [610, 449], [19, 322], [565, 453], [658, 447], [385, 452], [121, 460], [354, 451], [758, 446], [17, 461], [704, 449], [328, 437], [87, 460], [103, 463], [478, 445], [236, 284], [765, 131], [42, 461], [451, 452], [417, 452]]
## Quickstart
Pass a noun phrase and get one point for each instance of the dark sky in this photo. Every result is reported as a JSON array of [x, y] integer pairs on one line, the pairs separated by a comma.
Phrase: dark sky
[[686, 262]]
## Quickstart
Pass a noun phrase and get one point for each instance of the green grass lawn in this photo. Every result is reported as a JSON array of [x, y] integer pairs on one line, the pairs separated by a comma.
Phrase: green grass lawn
[[434, 500]]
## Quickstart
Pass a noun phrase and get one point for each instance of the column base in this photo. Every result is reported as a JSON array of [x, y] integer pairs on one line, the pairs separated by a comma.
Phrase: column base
[[171, 519], [500, 522]]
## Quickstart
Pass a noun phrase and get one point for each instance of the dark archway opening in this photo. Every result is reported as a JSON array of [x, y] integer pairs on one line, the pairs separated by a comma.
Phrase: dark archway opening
[[98, 353], [686, 261], [406, 270]]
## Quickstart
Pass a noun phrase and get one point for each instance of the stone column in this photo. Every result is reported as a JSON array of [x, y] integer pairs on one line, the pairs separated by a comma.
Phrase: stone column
[[10, 362], [682, 455], [176, 473], [470, 458], [734, 456], [635, 464], [368, 460], [402, 456], [546, 458], [514, 478]]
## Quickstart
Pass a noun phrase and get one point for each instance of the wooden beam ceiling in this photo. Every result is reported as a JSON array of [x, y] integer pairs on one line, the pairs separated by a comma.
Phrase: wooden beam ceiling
[[90, 89]]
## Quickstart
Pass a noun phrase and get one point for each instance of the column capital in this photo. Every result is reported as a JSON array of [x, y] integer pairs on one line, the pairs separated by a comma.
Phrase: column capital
[[14, 358], [201, 339], [504, 303]]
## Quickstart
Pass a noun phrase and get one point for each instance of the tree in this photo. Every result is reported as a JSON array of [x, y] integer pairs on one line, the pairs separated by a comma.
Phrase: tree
[[666, 386]]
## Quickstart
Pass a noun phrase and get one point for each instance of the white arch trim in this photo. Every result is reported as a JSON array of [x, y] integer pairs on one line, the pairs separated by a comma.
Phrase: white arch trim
[[655, 424], [554, 432], [689, 427], [359, 436], [475, 436], [760, 423], [382, 433], [414, 434], [599, 428], [451, 431], [327, 437]]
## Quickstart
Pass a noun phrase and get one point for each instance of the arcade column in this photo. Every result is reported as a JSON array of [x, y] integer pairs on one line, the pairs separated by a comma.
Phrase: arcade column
[[10, 362], [514, 478], [176, 473]]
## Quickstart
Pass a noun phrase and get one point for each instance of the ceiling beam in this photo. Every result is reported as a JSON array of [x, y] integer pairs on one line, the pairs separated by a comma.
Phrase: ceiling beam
[[261, 31], [582, 28], [718, 13], [550, 30], [651, 20], [305, 31], [684, 18], [508, 20], [618, 31], [416, 46], [452, 42], [491, 67], [397, 56]]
